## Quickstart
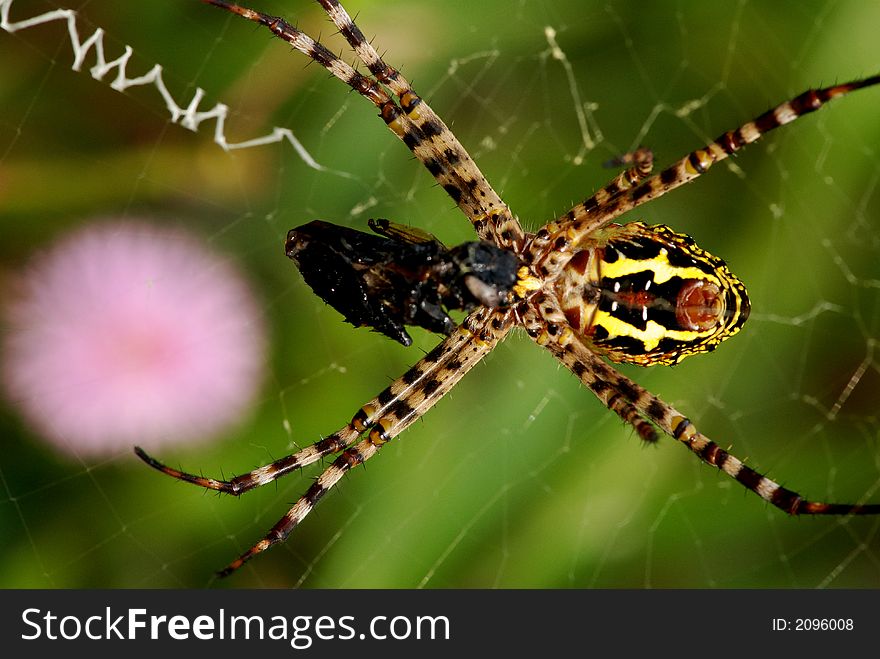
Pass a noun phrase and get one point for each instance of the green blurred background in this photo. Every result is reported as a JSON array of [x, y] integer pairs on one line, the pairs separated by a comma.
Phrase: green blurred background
[[519, 478]]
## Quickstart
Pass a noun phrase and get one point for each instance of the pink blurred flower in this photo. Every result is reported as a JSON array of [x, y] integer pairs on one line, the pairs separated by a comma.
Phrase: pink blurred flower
[[125, 333]]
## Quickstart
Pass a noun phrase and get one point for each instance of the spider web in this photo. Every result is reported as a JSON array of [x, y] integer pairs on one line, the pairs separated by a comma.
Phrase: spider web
[[519, 477]]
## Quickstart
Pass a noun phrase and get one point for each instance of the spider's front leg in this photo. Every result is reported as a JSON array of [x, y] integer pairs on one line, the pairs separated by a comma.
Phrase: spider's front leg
[[396, 408], [376, 423], [407, 115]]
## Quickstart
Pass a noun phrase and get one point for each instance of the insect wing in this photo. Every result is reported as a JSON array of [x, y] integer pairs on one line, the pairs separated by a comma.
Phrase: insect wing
[[344, 267], [402, 233]]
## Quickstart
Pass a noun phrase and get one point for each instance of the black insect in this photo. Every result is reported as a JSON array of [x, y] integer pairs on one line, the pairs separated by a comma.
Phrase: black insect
[[402, 276]]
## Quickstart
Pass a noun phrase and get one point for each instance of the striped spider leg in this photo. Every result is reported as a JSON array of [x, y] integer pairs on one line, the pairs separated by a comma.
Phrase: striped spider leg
[[410, 118], [556, 240], [413, 121], [593, 296], [585, 288], [623, 396], [376, 423]]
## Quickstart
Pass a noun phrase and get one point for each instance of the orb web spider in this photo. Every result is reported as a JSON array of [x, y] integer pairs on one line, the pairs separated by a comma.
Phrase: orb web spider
[[585, 288]]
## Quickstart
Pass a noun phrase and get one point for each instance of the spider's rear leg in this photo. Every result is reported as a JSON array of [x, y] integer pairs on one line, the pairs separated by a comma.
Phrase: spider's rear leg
[[588, 216], [618, 404], [642, 161], [592, 371], [642, 164], [618, 400], [398, 406], [709, 452]]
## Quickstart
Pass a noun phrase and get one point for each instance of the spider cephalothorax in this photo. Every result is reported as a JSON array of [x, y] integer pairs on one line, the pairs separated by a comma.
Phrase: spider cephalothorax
[[583, 288]]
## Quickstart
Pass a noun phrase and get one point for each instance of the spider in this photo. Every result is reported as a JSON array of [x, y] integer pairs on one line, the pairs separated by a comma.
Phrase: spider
[[585, 289]]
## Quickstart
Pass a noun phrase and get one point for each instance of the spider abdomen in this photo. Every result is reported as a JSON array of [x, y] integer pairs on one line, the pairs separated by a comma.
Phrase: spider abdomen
[[647, 295]]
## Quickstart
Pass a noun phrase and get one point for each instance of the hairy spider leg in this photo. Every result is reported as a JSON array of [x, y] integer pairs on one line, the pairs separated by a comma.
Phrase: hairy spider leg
[[413, 121], [426, 379], [267, 473], [491, 216], [402, 403], [617, 401], [642, 161], [609, 385], [554, 247]]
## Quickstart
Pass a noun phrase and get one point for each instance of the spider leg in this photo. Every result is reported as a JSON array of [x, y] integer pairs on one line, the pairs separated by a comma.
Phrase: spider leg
[[351, 457], [448, 161], [426, 379], [609, 386], [413, 120], [615, 400], [642, 161], [270, 472], [597, 211], [394, 410]]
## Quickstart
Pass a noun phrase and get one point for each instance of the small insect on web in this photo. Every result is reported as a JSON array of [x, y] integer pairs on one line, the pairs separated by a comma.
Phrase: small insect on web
[[400, 277], [582, 287]]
